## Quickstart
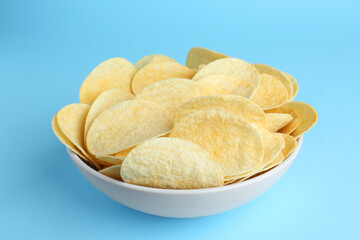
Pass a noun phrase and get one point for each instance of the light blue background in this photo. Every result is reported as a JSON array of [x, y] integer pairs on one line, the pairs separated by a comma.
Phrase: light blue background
[[47, 48]]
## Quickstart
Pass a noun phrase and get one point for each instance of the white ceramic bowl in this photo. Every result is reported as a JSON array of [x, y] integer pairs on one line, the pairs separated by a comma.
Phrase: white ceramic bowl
[[184, 203]]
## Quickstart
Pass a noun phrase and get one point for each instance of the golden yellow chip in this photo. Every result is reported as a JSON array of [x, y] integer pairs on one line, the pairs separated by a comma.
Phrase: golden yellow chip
[[171, 93], [235, 143], [171, 163], [230, 181], [159, 71], [293, 124], [127, 124], [271, 93], [104, 101], [304, 117], [231, 66], [112, 73], [201, 56], [294, 84], [113, 172], [63, 139], [263, 68], [307, 117], [201, 66], [276, 121], [232, 84], [232, 103], [273, 145], [109, 160], [154, 58], [71, 120], [124, 153], [290, 145]]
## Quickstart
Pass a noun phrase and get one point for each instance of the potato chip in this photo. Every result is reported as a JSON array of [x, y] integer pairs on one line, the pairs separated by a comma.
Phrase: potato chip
[[154, 58], [63, 139], [201, 56], [294, 84], [109, 160], [293, 124], [112, 172], [232, 103], [304, 116], [230, 182], [112, 73], [119, 157], [104, 101], [290, 145], [276, 121], [125, 152], [127, 124], [159, 71], [235, 143], [171, 93], [114, 159], [171, 163], [271, 92], [201, 66], [231, 66], [71, 120], [307, 117], [232, 84], [273, 145], [263, 68]]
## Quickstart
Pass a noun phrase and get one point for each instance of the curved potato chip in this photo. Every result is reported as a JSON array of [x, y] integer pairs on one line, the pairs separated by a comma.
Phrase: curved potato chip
[[112, 73], [171, 93], [115, 159], [271, 92], [104, 101], [293, 124], [290, 145], [231, 66], [154, 58], [232, 84], [304, 117], [307, 117], [171, 163], [71, 120], [125, 152], [273, 145], [119, 157], [206, 89], [113, 172], [127, 124], [201, 56], [63, 139], [276, 121], [232, 103], [235, 143], [294, 84], [263, 68], [109, 160], [201, 66], [159, 71]]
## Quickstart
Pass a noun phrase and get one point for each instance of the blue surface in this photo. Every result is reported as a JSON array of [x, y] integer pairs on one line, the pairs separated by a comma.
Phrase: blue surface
[[47, 48]]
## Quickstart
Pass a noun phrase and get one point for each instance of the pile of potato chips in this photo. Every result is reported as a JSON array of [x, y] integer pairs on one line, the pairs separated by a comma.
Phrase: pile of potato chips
[[216, 121]]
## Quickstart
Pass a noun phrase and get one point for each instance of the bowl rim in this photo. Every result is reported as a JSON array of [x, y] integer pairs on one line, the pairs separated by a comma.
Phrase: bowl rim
[[80, 163]]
